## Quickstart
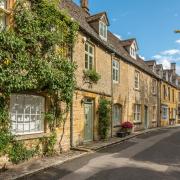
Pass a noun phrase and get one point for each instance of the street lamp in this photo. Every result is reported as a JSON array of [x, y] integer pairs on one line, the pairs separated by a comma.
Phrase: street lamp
[[177, 31]]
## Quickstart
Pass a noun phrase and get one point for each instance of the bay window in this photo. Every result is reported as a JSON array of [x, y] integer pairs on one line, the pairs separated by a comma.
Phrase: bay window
[[27, 114]]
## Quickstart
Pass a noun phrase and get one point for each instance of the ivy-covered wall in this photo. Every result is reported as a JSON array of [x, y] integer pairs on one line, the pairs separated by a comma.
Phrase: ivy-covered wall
[[35, 56]]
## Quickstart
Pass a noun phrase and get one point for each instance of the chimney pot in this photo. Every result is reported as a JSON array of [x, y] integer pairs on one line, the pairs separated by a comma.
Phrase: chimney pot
[[85, 6]]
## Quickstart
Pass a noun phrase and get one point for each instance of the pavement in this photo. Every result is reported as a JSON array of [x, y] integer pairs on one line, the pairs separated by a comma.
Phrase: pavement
[[60, 166], [148, 156]]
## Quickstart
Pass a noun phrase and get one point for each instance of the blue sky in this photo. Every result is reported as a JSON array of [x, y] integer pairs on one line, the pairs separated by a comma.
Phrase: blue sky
[[151, 22]]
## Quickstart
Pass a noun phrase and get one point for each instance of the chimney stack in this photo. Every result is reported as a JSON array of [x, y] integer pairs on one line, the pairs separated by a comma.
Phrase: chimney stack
[[173, 67], [85, 6]]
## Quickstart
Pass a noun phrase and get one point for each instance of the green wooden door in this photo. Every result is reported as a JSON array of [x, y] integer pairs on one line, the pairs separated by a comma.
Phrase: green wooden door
[[88, 126]]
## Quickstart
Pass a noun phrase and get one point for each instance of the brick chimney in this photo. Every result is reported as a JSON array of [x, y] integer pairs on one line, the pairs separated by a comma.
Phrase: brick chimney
[[85, 6]]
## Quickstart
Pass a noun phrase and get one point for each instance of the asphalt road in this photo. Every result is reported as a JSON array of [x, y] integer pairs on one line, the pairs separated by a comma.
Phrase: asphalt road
[[152, 156]]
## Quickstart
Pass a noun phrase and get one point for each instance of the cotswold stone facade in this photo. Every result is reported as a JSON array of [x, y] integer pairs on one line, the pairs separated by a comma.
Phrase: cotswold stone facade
[[140, 91]]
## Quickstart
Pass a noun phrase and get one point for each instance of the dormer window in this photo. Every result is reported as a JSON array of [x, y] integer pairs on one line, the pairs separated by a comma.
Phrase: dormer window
[[103, 30], [133, 52]]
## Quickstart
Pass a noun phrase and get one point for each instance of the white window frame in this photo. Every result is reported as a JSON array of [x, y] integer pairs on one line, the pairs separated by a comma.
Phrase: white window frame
[[89, 56], [174, 113], [27, 114], [164, 112], [137, 113], [3, 4], [115, 71], [117, 115], [103, 30], [137, 80], [154, 86]]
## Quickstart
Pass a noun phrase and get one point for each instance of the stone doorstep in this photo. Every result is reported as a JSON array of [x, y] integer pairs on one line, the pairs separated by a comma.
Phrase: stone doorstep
[[38, 164]]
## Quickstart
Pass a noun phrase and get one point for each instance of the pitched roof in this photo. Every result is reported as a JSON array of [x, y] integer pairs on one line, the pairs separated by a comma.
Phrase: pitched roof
[[128, 42], [113, 44], [97, 17], [150, 62], [159, 66]]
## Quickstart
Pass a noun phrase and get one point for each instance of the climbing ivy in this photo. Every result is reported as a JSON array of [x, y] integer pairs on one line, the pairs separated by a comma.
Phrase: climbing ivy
[[35, 56], [104, 117]]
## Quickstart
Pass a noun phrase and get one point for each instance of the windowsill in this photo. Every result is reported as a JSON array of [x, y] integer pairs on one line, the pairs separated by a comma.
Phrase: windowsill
[[31, 136], [137, 122], [116, 126], [154, 94], [115, 82], [137, 89], [154, 121], [5, 10]]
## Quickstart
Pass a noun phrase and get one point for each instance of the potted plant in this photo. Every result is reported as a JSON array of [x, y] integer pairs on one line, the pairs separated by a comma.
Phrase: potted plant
[[127, 127]]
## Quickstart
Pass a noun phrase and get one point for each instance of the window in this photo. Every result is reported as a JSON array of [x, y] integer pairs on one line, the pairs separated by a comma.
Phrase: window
[[89, 56], [174, 113], [169, 93], [164, 112], [2, 22], [164, 92], [137, 113], [103, 30], [115, 71], [117, 115], [154, 112], [3, 5], [173, 95], [154, 86], [27, 113], [179, 112], [137, 75]]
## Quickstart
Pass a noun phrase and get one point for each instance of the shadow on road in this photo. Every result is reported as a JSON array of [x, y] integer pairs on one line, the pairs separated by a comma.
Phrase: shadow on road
[[133, 173], [166, 151]]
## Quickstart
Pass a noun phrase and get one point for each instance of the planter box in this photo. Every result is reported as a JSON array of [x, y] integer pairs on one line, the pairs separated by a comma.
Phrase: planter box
[[121, 134]]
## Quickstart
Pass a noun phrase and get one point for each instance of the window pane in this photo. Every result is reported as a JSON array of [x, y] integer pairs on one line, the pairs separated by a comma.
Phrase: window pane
[[24, 110], [86, 47], [86, 61]]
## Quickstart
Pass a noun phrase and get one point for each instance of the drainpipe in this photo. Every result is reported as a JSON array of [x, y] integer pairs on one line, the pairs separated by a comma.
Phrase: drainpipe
[[112, 95], [159, 104], [71, 109]]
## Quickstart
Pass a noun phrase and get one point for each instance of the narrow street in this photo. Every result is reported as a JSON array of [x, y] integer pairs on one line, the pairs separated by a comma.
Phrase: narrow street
[[152, 156]]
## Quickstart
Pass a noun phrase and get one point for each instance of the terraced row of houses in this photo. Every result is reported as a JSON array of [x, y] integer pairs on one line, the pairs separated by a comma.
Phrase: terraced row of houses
[[140, 91]]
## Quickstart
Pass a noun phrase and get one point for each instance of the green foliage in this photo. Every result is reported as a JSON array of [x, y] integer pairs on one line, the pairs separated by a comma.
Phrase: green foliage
[[48, 144], [35, 56], [18, 153], [104, 117], [92, 76]]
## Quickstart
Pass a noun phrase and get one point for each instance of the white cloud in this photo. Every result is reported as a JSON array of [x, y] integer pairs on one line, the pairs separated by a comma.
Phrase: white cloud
[[157, 56], [171, 52], [165, 62], [178, 41], [142, 57], [118, 36]]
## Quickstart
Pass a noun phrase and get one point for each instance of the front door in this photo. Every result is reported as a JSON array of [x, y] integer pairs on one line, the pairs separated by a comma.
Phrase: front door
[[145, 117], [88, 126]]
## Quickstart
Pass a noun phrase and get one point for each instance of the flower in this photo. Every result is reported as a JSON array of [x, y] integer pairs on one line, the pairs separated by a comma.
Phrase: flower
[[127, 125]]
